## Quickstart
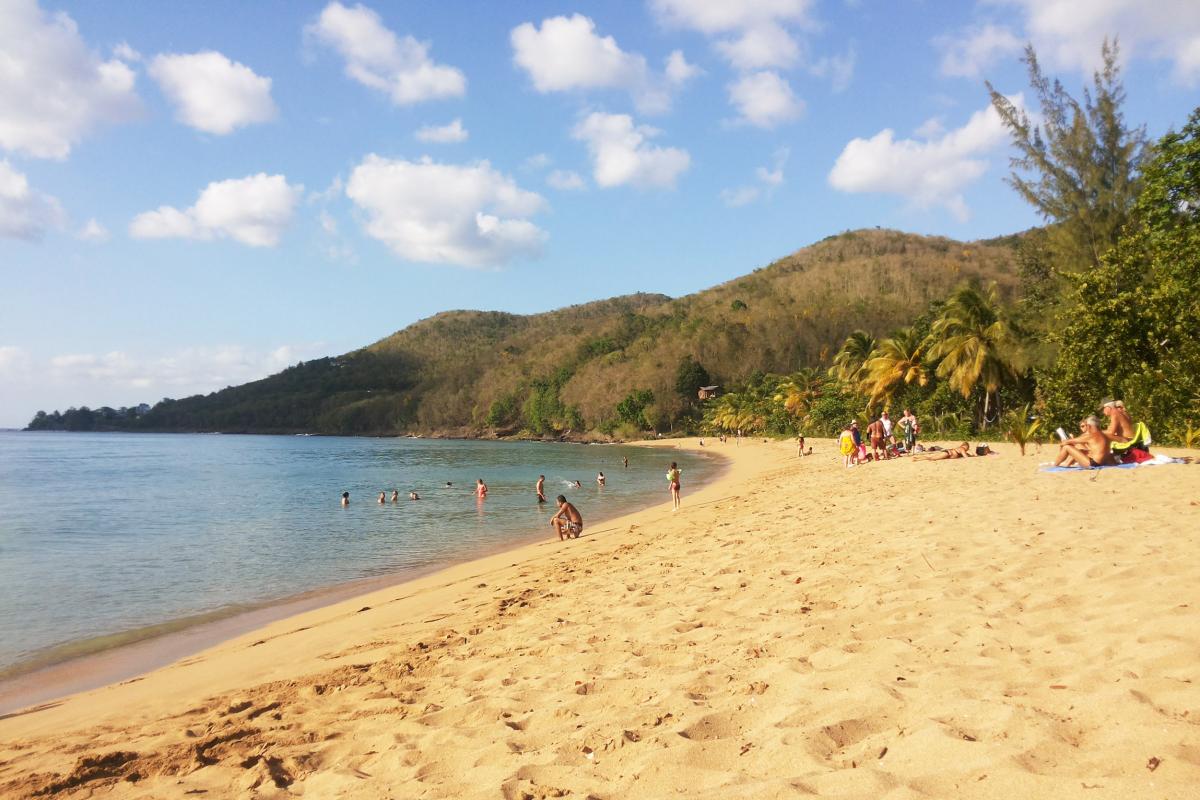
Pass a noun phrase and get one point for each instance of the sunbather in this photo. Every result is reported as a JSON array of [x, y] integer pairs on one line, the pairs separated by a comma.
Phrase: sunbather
[[1120, 425], [1092, 448], [962, 451]]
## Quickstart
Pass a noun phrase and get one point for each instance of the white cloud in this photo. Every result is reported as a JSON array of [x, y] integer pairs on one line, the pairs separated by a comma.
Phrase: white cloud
[[973, 50], [427, 211], [537, 161], [253, 210], [740, 196], [445, 134], [621, 153], [93, 231], [765, 99], [839, 69], [53, 88], [126, 53], [565, 180], [931, 172], [566, 54], [24, 212], [211, 93], [753, 30], [1068, 33], [770, 178], [375, 57]]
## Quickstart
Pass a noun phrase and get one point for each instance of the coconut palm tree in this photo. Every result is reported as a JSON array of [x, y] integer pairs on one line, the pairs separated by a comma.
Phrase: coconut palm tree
[[897, 360], [976, 345], [849, 361], [800, 391]]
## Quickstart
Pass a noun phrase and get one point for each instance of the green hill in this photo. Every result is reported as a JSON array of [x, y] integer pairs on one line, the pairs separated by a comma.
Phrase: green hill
[[483, 373]]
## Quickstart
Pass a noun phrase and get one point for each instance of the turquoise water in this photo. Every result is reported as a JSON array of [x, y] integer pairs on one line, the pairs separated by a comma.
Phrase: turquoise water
[[106, 534]]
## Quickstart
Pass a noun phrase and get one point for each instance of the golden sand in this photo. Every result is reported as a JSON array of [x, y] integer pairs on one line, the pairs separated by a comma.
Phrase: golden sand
[[961, 629]]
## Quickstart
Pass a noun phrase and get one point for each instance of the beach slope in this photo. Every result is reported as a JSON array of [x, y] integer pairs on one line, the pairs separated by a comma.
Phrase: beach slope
[[967, 629]]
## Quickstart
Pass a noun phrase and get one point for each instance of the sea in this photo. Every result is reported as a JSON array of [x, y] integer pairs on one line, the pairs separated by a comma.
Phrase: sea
[[108, 539]]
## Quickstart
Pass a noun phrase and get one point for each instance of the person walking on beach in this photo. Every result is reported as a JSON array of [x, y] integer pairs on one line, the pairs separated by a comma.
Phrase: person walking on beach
[[567, 520], [541, 488], [673, 474], [480, 488]]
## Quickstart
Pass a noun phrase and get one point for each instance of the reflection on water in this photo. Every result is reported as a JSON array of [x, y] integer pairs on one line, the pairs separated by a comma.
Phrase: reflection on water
[[104, 534]]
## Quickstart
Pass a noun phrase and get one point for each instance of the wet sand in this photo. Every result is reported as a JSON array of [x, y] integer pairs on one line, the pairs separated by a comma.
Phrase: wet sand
[[949, 629]]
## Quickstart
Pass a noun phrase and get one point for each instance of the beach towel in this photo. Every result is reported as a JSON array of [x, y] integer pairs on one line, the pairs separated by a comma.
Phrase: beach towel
[[1141, 439], [1158, 460]]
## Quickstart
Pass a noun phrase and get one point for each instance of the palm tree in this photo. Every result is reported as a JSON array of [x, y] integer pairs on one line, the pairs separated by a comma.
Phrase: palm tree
[[800, 391], [898, 359], [976, 345], [849, 361]]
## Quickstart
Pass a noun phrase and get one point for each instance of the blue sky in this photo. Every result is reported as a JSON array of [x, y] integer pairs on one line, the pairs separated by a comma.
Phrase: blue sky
[[195, 195]]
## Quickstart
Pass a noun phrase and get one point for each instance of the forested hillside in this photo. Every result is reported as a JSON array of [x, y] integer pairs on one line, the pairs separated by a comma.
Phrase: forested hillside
[[483, 373]]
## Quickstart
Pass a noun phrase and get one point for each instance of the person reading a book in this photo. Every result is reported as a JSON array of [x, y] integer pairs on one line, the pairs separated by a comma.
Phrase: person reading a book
[[1089, 450]]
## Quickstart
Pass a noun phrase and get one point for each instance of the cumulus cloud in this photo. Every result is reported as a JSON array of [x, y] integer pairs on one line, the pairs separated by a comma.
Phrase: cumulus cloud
[[621, 153], [839, 69], [53, 88], [565, 180], [537, 161], [253, 210], [566, 54], [1068, 33], [375, 57], [752, 32], [211, 93], [470, 215], [968, 53], [929, 172], [24, 212], [765, 100], [444, 134], [92, 231]]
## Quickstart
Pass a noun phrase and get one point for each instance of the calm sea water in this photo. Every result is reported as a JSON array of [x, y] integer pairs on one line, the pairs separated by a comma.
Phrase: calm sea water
[[106, 534]]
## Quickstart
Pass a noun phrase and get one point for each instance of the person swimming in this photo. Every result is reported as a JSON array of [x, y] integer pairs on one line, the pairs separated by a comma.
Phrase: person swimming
[[414, 496], [345, 498], [395, 495]]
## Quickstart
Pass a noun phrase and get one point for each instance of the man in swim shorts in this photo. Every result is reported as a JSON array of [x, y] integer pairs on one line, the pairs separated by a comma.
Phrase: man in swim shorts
[[541, 488], [1098, 452], [567, 520], [875, 431]]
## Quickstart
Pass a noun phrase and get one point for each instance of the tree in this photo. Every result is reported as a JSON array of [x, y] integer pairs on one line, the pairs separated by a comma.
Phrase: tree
[[898, 360], [975, 344], [800, 391], [1131, 326], [1078, 165], [633, 408], [689, 378], [849, 361]]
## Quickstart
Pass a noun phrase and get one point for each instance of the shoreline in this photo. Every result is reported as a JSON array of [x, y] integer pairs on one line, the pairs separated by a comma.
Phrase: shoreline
[[972, 628], [129, 659]]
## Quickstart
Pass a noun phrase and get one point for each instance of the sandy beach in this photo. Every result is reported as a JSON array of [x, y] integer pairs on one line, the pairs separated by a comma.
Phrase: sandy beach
[[954, 629]]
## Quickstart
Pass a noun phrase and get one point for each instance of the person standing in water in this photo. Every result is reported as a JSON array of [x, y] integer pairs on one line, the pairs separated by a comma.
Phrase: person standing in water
[[541, 488], [673, 474], [382, 498], [345, 498], [395, 495], [626, 460], [480, 488], [600, 479]]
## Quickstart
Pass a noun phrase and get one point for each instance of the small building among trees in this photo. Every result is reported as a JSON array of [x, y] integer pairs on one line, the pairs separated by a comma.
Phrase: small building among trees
[[708, 392]]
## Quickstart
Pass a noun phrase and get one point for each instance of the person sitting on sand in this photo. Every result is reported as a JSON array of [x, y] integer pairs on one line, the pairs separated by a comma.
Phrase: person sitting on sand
[[962, 451], [1120, 425], [567, 520], [1079, 441], [414, 496], [480, 488], [541, 488], [1090, 449], [600, 479], [345, 498]]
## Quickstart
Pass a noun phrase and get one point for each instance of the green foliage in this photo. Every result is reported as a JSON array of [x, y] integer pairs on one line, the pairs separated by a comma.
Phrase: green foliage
[[1130, 328], [690, 376], [1021, 427], [738, 305], [633, 409], [1078, 163]]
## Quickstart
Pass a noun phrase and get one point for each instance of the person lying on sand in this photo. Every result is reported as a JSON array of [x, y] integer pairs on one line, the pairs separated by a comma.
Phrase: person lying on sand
[[1120, 425], [962, 451], [1098, 452], [567, 520]]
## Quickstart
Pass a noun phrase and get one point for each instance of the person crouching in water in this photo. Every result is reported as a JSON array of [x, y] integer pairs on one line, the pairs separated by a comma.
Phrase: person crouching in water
[[567, 520]]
